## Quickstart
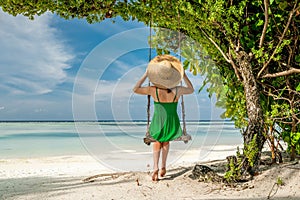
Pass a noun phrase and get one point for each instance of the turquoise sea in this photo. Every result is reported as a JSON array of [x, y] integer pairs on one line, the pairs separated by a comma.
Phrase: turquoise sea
[[112, 143]]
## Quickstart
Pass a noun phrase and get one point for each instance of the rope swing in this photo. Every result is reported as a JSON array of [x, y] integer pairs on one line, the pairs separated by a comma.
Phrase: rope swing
[[185, 136]]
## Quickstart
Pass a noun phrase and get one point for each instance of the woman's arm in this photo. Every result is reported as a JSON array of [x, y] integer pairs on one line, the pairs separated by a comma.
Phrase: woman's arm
[[189, 89], [138, 86]]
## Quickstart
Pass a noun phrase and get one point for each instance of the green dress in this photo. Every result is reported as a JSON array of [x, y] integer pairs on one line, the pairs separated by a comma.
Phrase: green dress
[[165, 124]]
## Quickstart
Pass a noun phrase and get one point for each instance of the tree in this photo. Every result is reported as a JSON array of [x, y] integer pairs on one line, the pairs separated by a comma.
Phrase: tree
[[283, 113], [254, 44]]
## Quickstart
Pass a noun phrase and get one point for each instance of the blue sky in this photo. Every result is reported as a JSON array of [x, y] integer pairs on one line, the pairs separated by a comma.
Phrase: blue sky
[[56, 69]]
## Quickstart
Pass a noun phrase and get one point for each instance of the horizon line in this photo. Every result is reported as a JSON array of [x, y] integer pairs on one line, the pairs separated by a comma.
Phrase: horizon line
[[110, 120]]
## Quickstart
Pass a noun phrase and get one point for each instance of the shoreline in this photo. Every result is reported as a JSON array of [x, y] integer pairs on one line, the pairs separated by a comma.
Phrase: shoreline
[[62, 177], [120, 161], [71, 165]]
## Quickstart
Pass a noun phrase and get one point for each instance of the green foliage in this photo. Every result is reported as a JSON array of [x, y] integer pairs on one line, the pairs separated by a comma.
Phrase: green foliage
[[280, 110], [233, 101], [250, 151], [283, 111], [292, 139], [234, 104], [234, 173], [279, 181], [298, 87], [297, 58], [196, 59]]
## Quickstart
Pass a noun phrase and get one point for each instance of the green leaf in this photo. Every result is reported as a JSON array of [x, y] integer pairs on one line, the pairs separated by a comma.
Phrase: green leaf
[[203, 85], [298, 88], [186, 64], [283, 5], [245, 29], [195, 72], [260, 22], [297, 58]]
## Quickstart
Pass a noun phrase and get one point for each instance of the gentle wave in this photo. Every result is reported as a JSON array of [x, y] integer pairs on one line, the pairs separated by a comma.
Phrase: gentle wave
[[109, 138]]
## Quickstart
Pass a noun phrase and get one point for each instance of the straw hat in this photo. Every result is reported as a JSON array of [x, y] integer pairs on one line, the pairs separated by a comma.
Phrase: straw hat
[[165, 71]]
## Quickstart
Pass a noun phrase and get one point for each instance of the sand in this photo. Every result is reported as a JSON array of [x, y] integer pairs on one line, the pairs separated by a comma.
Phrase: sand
[[62, 178]]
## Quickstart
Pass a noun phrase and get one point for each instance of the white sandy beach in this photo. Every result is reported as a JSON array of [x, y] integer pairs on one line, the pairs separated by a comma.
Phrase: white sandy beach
[[62, 178]]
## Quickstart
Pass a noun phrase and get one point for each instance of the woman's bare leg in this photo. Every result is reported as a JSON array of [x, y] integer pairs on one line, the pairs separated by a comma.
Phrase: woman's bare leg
[[156, 153], [165, 151]]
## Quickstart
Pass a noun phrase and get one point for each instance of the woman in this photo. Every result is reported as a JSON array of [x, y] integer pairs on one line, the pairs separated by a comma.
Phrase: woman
[[165, 124]]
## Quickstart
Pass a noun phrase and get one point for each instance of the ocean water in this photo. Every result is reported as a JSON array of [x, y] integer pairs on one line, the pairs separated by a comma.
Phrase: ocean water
[[114, 144]]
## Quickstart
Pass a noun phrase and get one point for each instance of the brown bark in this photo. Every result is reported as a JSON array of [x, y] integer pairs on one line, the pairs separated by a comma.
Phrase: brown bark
[[273, 149], [254, 110]]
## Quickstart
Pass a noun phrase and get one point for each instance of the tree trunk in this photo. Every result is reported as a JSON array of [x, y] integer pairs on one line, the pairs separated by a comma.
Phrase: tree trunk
[[254, 113]]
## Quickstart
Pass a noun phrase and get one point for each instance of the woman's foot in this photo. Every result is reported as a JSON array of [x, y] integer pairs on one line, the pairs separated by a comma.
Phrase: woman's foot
[[163, 172], [155, 175]]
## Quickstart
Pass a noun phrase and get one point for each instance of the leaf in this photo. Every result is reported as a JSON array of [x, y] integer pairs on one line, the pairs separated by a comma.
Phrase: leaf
[[245, 29], [195, 72], [283, 5], [203, 85], [260, 22], [297, 58], [186, 64], [298, 88]]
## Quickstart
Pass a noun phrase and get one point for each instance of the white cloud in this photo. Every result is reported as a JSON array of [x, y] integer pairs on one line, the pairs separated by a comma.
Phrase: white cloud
[[123, 67], [114, 90], [120, 89], [32, 58]]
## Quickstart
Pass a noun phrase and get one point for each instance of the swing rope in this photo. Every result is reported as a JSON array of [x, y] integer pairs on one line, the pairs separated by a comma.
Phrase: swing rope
[[182, 101], [185, 137], [147, 139]]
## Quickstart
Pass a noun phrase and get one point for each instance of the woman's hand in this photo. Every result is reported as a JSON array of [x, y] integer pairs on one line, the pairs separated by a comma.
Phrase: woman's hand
[[189, 89]]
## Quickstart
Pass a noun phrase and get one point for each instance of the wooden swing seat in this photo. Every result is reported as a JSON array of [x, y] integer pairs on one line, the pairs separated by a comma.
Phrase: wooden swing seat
[[185, 138]]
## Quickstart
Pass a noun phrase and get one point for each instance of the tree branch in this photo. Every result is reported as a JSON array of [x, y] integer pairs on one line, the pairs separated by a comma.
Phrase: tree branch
[[236, 70], [283, 122], [278, 98], [280, 40], [283, 73], [262, 37], [217, 46], [229, 60]]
